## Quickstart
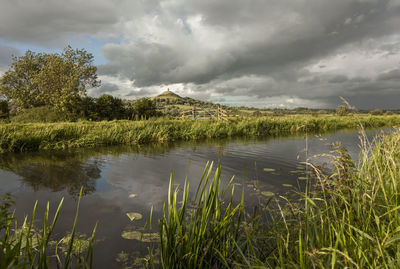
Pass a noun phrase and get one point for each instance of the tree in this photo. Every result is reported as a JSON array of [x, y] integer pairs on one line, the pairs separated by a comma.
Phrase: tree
[[58, 80], [342, 110], [4, 110], [145, 108], [88, 108], [109, 107]]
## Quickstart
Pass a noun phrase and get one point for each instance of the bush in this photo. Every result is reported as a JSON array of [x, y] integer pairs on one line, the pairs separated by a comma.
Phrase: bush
[[145, 108], [342, 111], [4, 110], [109, 108], [376, 112], [42, 114]]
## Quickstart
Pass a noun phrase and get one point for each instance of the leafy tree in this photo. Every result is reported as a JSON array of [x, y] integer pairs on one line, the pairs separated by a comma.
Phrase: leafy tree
[[59, 80], [109, 107], [145, 108], [342, 111], [88, 108], [4, 110]]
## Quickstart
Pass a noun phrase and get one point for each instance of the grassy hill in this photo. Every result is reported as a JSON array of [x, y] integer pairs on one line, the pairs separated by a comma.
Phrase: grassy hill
[[172, 104], [167, 95]]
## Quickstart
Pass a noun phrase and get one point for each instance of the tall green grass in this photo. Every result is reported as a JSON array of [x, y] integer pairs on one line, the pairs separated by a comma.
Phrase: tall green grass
[[26, 247], [36, 136], [347, 217], [351, 217], [200, 232]]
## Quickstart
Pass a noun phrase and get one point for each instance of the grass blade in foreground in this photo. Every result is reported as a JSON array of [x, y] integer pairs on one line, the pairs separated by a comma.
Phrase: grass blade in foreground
[[26, 247], [202, 234]]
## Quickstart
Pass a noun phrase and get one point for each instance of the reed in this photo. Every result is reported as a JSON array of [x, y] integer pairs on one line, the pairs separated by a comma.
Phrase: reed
[[351, 217], [26, 247], [348, 217], [39, 136], [200, 232]]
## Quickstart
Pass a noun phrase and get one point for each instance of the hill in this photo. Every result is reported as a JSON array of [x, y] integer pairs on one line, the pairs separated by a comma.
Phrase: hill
[[167, 95], [172, 104]]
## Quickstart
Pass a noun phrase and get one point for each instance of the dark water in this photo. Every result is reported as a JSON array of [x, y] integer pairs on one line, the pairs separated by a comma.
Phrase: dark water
[[111, 175]]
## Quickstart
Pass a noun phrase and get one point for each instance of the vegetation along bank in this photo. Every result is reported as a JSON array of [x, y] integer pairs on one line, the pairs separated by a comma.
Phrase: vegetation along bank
[[346, 218], [16, 137]]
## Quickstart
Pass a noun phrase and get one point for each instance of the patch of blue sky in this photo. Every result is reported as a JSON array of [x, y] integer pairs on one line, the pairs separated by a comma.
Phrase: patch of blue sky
[[92, 45], [89, 43], [22, 47]]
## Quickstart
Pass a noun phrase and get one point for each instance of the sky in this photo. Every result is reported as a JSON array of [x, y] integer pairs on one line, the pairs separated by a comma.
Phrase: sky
[[260, 53]]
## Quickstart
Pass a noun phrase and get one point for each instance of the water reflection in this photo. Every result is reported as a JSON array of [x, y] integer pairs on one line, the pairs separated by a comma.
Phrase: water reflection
[[55, 171], [72, 169]]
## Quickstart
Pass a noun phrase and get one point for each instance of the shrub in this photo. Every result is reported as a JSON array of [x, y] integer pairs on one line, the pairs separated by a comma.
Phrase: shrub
[[42, 114], [4, 110], [342, 111], [109, 108], [376, 112]]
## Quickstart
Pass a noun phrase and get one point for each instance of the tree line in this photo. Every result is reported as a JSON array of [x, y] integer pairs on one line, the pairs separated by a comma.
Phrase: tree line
[[59, 82]]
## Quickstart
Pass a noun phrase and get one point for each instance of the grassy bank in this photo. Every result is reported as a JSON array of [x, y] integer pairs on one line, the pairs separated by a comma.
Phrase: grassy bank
[[348, 218], [32, 137]]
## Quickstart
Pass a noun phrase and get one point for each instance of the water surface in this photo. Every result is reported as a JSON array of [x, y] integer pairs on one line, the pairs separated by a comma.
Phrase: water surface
[[112, 176]]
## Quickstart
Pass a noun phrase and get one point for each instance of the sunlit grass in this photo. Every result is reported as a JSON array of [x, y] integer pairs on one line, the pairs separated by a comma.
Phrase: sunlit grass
[[36, 136]]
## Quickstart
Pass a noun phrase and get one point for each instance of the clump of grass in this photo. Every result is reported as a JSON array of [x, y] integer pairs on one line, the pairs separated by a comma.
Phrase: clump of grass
[[200, 233], [350, 218], [26, 247], [38, 136]]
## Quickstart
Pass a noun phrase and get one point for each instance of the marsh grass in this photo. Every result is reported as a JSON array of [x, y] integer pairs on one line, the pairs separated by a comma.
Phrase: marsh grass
[[348, 217], [26, 247], [38, 136], [201, 231], [351, 217]]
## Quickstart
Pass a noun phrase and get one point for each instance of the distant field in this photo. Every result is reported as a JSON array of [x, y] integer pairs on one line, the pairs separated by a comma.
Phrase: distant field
[[37, 136]]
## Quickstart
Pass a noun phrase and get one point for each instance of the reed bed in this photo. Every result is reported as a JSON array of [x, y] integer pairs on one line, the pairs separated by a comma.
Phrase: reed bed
[[38, 136], [348, 217]]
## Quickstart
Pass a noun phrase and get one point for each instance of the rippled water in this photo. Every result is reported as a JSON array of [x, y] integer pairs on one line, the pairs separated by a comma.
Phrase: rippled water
[[111, 175]]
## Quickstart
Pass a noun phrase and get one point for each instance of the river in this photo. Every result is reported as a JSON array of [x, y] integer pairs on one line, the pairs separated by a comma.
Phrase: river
[[119, 180]]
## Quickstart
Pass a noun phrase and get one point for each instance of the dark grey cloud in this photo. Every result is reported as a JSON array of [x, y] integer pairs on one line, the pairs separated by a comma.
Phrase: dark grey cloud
[[259, 48], [272, 53], [53, 23], [48, 22]]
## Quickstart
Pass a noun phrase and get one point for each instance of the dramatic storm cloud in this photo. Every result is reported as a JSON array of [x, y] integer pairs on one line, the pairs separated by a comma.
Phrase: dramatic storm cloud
[[263, 53]]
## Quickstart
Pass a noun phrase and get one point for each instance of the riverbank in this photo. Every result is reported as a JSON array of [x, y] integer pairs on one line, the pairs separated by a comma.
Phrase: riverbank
[[43, 136]]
